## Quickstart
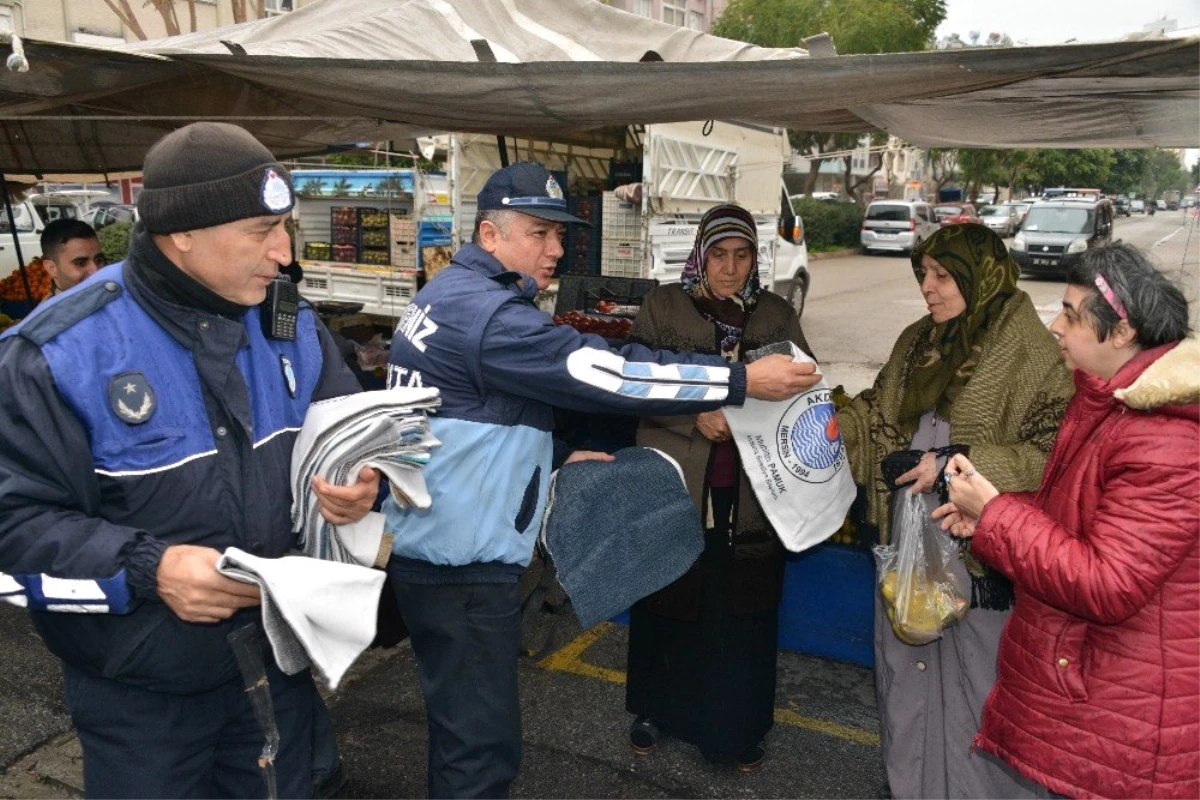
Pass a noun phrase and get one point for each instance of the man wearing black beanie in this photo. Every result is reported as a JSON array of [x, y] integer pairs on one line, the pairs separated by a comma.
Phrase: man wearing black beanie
[[149, 426]]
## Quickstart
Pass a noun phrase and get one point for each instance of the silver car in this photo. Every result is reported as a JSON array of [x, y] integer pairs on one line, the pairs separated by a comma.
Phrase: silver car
[[1004, 218], [896, 225]]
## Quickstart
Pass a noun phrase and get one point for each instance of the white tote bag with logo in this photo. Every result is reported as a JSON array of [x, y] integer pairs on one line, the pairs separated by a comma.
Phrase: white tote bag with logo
[[793, 455]]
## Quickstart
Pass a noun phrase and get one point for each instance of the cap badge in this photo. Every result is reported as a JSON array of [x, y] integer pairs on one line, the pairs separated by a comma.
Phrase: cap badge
[[553, 190], [276, 194], [131, 398]]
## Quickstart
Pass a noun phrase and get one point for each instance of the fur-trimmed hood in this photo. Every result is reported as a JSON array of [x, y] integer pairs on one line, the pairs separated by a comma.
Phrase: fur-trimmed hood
[[1173, 380]]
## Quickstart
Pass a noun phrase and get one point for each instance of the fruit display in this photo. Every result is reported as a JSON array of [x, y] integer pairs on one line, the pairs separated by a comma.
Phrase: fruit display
[[12, 288], [609, 328], [344, 252], [372, 218], [317, 251], [344, 216], [374, 238], [928, 607], [344, 235], [374, 256]]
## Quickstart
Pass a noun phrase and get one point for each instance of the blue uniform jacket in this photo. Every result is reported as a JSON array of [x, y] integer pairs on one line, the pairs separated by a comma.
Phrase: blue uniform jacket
[[130, 424], [501, 365]]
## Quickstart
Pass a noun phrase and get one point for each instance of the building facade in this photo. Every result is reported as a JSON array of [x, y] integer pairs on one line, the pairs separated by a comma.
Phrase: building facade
[[93, 22], [698, 15]]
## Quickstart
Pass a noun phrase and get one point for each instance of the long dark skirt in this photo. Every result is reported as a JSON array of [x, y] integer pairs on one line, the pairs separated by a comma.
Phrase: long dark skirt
[[710, 682]]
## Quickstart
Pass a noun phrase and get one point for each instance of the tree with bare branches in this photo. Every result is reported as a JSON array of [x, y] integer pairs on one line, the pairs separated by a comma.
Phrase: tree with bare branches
[[243, 10]]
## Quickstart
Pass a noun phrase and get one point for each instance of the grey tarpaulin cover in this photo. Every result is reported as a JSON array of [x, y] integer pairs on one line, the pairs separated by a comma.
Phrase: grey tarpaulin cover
[[620, 530], [387, 430], [341, 71]]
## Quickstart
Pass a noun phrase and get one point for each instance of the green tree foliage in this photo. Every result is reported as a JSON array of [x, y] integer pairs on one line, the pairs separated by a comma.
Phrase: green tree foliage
[[1078, 168], [114, 240], [1129, 166], [978, 169], [829, 226], [856, 26], [1163, 173]]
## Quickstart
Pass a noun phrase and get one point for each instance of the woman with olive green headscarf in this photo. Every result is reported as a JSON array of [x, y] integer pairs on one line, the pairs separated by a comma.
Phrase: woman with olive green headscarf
[[980, 369]]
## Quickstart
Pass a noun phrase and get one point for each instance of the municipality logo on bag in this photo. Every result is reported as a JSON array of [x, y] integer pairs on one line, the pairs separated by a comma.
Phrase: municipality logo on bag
[[793, 456], [809, 440]]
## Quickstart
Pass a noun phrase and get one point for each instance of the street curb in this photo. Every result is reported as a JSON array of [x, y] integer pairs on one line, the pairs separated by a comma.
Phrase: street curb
[[849, 251]]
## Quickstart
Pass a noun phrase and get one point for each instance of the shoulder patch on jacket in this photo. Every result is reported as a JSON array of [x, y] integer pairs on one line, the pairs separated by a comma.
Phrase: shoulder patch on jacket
[[42, 327]]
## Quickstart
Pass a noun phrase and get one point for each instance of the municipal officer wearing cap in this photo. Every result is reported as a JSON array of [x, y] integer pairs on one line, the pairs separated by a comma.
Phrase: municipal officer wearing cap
[[149, 426], [501, 365]]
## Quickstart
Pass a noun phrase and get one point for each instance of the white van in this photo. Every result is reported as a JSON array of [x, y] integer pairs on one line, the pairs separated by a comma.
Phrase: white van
[[30, 217]]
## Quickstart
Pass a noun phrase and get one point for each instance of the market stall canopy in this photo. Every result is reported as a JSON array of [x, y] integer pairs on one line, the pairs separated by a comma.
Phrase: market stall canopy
[[578, 71]]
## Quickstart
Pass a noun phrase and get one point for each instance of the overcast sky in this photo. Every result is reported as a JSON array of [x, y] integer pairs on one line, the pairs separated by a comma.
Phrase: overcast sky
[[1035, 22], [1038, 22]]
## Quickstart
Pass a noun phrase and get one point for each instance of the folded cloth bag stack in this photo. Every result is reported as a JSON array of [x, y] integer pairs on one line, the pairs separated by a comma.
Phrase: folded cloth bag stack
[[793, 455], [387, 430], [619, 530], [315, 613]]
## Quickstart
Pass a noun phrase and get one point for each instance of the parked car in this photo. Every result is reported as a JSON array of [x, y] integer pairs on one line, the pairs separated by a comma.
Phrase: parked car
[[896, 225], [1121, 205], [102, 216], [1056, 232], [1004, 219], [1138, 206], [954, 213]]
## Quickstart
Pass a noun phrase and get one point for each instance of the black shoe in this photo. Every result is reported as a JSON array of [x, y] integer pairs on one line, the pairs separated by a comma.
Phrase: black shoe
[[643, 736], [750, 759], [331, 784]]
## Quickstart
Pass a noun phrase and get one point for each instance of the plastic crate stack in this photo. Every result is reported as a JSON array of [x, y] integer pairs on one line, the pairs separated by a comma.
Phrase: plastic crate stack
[[582, 247], [343, 228], [373, 237], [622, 252], [403, 238]]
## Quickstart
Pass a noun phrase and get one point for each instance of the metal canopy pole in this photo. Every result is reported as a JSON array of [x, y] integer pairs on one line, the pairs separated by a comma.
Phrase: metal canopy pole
[[12, 227]]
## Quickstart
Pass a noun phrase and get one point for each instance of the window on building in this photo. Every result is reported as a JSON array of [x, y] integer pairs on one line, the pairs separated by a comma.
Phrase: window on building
[[674, 12], [641, 7], [695, 21], [6, 20], [273, 7]]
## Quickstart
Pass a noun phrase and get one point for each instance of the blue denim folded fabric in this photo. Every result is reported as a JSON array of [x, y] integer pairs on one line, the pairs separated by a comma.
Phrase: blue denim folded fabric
[[620, 530]]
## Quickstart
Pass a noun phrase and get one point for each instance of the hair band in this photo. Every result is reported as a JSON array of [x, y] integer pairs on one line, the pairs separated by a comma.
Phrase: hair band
[[1111, 297]]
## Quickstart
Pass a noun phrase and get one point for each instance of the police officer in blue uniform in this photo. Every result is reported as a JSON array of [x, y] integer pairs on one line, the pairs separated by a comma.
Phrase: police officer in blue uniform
[[501, 365], [148, 425]]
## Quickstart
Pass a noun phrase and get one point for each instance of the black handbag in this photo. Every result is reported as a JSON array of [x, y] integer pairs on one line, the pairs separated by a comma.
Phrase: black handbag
[[896, 464]]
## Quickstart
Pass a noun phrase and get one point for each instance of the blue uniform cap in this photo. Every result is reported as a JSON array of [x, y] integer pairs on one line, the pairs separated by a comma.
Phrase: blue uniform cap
[[527, 187]]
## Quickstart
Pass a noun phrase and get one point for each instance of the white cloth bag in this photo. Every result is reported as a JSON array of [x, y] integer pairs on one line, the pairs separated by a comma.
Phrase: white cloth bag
[[793, 455]]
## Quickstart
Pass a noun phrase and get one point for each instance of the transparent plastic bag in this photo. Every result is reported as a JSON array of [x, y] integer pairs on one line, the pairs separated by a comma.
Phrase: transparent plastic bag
[[922, 593]]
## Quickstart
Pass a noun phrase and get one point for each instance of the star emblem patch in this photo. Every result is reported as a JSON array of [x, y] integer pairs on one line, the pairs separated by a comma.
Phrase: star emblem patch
[[131, 398]]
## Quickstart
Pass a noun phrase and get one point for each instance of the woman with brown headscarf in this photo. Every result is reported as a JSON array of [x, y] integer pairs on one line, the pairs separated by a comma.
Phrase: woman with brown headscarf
[[702, 650], [981, 370]]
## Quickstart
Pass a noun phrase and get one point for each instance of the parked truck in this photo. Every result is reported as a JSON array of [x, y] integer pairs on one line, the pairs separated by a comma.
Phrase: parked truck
[[1170, 200], [683, 169]]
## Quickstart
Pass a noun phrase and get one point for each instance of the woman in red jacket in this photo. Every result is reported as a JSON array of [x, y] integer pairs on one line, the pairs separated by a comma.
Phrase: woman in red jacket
[[1098, 675]]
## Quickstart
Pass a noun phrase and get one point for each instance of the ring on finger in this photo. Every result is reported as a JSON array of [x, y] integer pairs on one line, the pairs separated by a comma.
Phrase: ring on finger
[[969, 473]]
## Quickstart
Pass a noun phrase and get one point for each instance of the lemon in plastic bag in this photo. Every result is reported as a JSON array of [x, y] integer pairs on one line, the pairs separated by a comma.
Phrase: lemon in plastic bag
[[922, 594]]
